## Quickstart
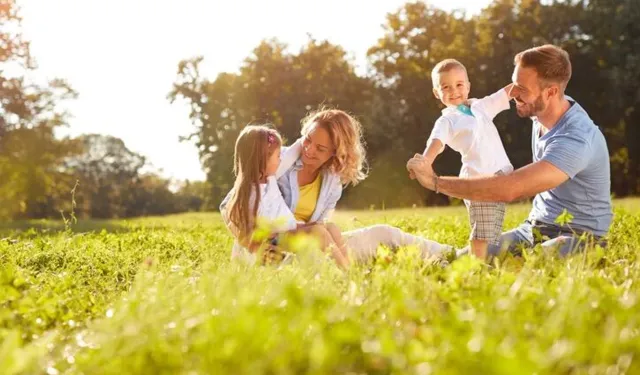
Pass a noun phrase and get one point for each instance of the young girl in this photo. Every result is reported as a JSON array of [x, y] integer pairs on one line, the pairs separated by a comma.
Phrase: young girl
[[256, 197]]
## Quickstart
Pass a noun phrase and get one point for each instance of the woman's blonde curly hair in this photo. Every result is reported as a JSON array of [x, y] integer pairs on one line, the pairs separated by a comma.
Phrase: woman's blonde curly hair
[[349, 161]]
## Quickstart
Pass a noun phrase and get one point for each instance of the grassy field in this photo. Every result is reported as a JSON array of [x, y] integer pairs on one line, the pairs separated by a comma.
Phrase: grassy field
[[160, 296]]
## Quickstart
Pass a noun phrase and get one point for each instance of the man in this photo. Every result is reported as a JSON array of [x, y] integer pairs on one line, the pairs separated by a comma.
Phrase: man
[[570, 168]]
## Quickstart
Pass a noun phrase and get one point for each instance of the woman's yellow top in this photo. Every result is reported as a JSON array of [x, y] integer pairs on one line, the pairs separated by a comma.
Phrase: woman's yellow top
[[308, 199]]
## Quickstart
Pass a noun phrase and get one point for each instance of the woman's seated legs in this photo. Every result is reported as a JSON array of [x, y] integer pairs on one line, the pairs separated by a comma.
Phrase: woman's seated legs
[[363, 243]]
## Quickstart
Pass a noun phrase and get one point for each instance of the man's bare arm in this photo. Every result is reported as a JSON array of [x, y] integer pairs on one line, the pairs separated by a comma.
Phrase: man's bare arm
[[524, 182]]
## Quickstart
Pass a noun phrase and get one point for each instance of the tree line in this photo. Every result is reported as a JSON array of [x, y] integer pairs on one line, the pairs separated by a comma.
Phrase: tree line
[[278, 85]]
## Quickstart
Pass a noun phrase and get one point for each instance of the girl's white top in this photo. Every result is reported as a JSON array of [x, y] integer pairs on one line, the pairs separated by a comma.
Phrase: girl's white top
[[272, 208]]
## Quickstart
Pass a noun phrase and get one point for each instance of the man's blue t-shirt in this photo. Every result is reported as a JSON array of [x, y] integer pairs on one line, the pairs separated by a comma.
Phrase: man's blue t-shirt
[[577, 147]]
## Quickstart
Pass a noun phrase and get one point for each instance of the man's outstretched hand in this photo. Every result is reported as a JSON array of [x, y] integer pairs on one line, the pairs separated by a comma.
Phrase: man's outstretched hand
[[421, 169]]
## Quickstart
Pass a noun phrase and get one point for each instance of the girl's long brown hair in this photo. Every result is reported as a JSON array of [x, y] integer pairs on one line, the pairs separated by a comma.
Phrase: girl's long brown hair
[[254, 146]]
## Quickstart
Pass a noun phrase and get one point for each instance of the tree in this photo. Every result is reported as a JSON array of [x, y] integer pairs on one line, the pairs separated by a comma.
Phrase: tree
[[600, 36], [30, 155], [150, 195], [610, 49], [194, 196], [273, 86], [415, 38], [107, 172], [395, 102]]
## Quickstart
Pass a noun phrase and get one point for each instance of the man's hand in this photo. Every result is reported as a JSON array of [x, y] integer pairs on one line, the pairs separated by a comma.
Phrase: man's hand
[[410, 164], [422, 171], [412, 174]]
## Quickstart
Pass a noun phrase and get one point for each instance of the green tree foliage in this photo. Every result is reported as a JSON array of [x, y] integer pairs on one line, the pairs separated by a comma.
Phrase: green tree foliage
[[107, 172], [39, 170], [30, 155], [274, 86], [395, 100], [112, 183]]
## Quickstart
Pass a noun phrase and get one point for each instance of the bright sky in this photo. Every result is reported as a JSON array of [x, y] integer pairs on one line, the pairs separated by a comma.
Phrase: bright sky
[[122, 55]]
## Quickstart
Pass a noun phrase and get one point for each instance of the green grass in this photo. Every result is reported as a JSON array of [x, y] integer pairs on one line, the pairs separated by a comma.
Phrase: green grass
[[160, 296]]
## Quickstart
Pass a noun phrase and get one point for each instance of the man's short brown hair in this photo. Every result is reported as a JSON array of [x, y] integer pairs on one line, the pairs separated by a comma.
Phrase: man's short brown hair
[[550, 62]]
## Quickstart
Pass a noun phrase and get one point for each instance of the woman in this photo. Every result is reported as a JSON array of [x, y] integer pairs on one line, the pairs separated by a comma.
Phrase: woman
[[332, 155], [256, 198]]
